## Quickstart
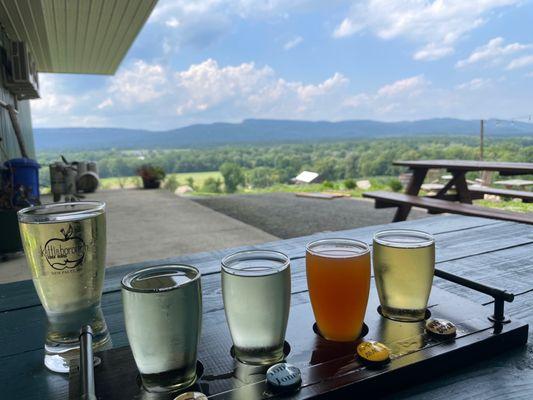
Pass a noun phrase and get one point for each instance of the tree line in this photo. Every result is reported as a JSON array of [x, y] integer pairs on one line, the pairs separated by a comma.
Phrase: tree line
[[263, 166]]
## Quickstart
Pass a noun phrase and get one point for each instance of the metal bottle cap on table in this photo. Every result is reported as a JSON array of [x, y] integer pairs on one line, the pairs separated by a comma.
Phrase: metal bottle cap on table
[[191, 396], [440, 327], [373, 352], [284, 377]]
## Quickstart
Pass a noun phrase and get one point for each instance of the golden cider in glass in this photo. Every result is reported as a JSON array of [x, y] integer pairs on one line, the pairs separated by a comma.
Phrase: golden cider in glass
[[404, 265]]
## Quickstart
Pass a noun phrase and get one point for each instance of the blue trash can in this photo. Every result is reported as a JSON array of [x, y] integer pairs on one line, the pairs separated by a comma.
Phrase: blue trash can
[[24, 172]]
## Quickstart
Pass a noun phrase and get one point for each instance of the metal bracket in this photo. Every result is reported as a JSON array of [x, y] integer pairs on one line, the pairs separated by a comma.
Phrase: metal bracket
[[500, 296]]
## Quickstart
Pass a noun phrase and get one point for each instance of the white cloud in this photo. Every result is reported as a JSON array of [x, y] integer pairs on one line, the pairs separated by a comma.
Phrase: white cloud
[[153, 96], [356, 100], [239, 8], [172, 22], [492, 53], [104, 104], [149, 95], [200, 23], [53, 104], [433, 51], [309, 92], [396, 100], [520, 62], [474, 84], [409, 86], [347, 28], [437, 24], [140, 84], [248, 90], [291, 44]]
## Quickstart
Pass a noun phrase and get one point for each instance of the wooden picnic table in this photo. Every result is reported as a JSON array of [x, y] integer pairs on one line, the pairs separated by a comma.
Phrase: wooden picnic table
[[458, 170], [492, 252]]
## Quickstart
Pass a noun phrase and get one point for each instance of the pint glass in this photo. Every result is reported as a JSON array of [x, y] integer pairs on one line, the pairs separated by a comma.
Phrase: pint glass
[[338, 278], [256, 287], [65, 247], [163, 315], [404, 265]]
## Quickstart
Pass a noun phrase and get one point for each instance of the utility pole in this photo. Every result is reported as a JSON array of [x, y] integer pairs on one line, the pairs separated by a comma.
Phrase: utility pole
[[481, 140]]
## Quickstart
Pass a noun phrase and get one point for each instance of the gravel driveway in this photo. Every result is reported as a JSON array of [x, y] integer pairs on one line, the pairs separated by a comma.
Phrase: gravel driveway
[[286, 216]]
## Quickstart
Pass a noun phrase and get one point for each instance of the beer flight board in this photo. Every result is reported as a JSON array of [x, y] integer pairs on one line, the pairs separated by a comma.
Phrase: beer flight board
[[328, 369]]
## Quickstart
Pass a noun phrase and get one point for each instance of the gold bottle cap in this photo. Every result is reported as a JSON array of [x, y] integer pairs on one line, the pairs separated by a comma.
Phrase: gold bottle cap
[[441, 327], [374, 352], [191, 396]]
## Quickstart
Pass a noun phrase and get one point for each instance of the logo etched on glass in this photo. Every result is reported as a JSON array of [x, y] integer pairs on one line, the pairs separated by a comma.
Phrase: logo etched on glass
[[64, 252]]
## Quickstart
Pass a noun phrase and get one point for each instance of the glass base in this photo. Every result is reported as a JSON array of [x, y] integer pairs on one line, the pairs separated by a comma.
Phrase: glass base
[[403, 315], [169, 381], [259, 357], [59, 357]]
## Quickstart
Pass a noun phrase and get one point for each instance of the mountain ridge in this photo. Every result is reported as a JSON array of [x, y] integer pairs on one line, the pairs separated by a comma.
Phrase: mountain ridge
[[259, 131]]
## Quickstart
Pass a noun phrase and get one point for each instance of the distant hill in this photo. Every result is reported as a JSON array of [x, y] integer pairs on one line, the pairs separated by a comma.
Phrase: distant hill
[[255, 131]]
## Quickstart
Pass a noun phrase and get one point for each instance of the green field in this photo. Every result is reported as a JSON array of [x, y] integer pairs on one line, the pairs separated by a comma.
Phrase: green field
[[135, 181]]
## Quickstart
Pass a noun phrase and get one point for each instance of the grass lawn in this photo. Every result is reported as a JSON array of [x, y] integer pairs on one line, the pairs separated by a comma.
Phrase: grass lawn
[[135, 181], [510, 205]]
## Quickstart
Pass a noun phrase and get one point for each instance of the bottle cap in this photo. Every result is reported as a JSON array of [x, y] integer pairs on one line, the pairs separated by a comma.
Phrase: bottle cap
[[191, 396], [373, 352], [440, 327], [284, 377]]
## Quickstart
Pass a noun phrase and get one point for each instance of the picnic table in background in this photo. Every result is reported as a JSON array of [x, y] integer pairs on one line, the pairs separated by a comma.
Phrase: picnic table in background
[[491, 252], [510, 183], [463, 194]]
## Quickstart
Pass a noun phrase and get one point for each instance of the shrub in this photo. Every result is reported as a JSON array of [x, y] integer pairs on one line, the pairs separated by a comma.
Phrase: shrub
[[350, 184], [233, 176], [171, 183], [395, 185], [262, 177], [212, 185], [151, 172], [327, 185], [190, 182], [136, 181]]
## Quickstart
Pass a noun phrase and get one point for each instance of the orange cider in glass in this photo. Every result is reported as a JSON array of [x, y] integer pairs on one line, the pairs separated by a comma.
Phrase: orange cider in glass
[[338, 278]]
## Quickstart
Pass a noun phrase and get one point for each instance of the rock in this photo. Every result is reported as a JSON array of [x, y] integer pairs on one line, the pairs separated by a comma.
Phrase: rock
[[181, 190], [365, 185]]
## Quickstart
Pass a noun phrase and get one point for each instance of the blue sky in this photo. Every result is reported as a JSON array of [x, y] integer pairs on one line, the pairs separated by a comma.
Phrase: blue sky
[[226, 60]]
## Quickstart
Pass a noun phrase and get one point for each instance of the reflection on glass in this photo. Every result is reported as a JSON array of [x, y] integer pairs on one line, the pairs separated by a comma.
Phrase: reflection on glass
[[65, 247], [401, 337]]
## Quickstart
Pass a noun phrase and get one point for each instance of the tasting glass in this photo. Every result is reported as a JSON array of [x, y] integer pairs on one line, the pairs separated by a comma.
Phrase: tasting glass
[[256, 288], [338, 279], [404, 265], [163, 316], [65, 248]]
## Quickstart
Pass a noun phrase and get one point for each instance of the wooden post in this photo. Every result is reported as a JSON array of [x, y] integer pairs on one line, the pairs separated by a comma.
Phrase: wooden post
[[413, 187], [481, 140]]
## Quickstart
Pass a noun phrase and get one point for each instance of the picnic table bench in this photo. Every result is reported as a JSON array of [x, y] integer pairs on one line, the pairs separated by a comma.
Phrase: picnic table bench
[[527, 197], [491, 252], [479, 192], [440, 202], [519, 183]]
